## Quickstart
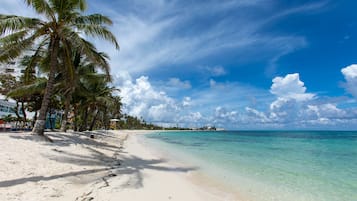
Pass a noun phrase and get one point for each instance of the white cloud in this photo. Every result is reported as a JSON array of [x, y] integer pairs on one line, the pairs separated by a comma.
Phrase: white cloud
[[142, 100], [192, 117], [256, 115], [176, 82], [350, 74], [216, 71], [229, 105], [186, 101], [153, 35], [212, 83], [327, 111], [223, 114], [290, 87]]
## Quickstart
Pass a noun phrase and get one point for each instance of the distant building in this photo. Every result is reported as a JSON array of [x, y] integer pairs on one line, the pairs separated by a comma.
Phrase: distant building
[[12, 68], [7, 108]]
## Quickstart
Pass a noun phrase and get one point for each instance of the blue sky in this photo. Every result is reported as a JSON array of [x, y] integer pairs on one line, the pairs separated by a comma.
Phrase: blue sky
[[248, 64]]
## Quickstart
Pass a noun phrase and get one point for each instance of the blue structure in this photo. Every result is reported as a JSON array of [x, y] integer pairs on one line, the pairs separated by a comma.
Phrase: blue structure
[[51, 121]]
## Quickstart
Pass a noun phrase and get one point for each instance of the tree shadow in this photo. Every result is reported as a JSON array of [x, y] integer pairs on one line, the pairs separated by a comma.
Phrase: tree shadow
[[113, 161], [134, 166], [130, 165], [74, 138], [14, 182]]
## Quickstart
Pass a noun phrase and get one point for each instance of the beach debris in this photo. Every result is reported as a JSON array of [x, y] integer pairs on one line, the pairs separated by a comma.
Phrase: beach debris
[[57, 150], [85, 197], [112, 175]]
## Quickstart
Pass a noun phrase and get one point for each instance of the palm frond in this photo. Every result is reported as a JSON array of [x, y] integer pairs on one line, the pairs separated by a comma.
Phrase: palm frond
[[86, 48], [11, 51], [13, 23], [98, 31], [14, 37], [42, 7], [36, 88], [97, 19], [37, 56]]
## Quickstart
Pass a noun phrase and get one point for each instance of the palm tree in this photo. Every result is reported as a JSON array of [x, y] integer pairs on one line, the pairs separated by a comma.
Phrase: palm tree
[[82, 68], [63, 28], [91, 95]]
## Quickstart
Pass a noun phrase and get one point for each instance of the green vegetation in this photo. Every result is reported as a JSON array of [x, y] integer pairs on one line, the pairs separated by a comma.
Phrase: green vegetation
[[53, 41]]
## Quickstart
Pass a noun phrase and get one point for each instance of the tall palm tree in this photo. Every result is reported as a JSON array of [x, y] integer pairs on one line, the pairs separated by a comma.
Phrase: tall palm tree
[[62, 28]]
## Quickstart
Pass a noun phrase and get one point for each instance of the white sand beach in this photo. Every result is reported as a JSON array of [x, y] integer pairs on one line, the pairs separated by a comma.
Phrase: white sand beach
[[113, 166]]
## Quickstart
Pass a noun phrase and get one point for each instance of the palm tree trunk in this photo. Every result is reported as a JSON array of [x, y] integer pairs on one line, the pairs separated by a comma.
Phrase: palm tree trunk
[[75, 118], [94, 120], [34, 119], [84, 125], [23, 111], [40, 122], [65, 114]]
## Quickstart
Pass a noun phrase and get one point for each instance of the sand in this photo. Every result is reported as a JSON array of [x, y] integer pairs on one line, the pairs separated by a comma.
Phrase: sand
[[113, 166]]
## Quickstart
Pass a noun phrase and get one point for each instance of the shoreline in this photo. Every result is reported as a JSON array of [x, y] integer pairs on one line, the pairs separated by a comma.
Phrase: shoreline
[[205, 180], [113, 165]]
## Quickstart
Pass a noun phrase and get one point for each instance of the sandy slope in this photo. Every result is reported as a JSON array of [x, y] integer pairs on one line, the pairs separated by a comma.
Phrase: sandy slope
[[76, 167]]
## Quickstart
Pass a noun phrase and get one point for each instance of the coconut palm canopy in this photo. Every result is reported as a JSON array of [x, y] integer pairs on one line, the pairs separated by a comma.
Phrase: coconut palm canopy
[[59, 31]]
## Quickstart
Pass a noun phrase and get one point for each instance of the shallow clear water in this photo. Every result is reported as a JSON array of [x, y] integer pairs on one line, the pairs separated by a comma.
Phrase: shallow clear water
[[266, 165]]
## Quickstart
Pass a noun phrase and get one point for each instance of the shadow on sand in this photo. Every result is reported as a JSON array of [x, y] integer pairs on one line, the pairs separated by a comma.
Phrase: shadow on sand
[[116, 164]]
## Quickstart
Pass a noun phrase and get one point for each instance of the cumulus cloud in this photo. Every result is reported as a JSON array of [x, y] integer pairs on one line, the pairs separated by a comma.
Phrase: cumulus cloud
[[292, 106], [290, 87], [224, 114], [256, 115], [142, 100], [350, 74]]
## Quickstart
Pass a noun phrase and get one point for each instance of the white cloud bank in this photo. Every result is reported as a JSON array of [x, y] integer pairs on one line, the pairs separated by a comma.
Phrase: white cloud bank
[[228, 105], [295, 108]]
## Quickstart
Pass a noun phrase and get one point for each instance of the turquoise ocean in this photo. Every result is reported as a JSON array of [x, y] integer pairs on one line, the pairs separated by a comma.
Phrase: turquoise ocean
[[270, 165]]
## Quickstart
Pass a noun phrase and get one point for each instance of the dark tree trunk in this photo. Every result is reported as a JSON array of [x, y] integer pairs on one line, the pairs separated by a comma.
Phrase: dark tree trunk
[[40, 122], [84, 125], [94, 120], [16, 110], [23, 111], [75, 118], [34, 119], [67, 104]]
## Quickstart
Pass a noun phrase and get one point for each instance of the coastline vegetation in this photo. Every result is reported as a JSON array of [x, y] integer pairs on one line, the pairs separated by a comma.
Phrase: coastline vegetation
[[55, 45]]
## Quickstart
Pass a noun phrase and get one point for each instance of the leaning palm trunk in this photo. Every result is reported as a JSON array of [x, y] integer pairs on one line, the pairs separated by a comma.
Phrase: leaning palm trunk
[[41, 120]]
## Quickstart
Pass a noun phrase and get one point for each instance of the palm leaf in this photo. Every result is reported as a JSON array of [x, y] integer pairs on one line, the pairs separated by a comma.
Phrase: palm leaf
[[97, 19], [12, 23], [98, 31], [42, 7], [36, 88]]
